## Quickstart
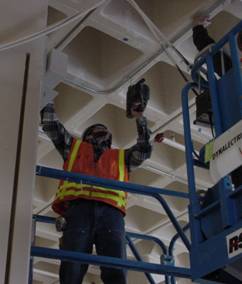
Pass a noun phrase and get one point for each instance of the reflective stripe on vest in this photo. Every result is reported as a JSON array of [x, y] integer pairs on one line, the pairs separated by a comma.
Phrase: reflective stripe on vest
[[72, 160], [208, 151], [85, 190], [68, 188], [73, 155], [121, 164]]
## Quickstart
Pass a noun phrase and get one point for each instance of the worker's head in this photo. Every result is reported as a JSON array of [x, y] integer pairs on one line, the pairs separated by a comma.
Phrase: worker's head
[[99, 135], [239, 40]]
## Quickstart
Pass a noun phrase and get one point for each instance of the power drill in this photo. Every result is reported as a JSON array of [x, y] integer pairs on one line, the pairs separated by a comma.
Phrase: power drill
[[137, 98]]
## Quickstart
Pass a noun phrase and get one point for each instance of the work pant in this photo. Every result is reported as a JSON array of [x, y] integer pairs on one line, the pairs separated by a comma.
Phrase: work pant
[[92, 222]]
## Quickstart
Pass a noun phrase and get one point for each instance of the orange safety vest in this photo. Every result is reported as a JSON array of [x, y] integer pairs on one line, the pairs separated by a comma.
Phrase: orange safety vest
[[111, 164]]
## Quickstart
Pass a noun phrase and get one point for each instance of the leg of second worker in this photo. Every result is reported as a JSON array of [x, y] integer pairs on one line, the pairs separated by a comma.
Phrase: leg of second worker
[[110, 241]]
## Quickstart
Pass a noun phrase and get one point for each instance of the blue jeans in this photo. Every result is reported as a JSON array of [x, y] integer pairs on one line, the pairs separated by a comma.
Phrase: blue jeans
[[91, 222]]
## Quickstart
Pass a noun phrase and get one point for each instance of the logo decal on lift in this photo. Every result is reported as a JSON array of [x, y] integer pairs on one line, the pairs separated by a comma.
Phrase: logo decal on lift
[[234, 243], [227, 146]]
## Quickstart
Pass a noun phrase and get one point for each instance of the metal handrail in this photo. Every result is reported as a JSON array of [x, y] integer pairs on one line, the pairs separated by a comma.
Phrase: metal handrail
[[108, 261], [108, 183]]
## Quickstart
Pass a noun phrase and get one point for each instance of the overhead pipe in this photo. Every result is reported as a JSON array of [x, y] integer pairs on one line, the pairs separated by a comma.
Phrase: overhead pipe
[[53, 28]]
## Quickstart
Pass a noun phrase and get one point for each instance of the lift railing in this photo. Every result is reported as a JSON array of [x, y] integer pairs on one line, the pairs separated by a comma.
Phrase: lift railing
[[207, 59], [166, 268], [225, 203]]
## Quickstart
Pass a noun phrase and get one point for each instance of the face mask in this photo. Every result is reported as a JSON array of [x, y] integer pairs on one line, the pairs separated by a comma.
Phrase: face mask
[[100, 138]]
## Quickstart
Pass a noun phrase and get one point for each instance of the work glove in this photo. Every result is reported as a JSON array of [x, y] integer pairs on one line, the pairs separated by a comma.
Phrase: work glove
[[47, 112]]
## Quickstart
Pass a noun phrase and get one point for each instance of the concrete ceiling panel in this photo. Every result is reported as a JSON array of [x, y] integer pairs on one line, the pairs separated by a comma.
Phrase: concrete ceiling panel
[[169, 16], [165, 87], [69, 101], [96, 56]]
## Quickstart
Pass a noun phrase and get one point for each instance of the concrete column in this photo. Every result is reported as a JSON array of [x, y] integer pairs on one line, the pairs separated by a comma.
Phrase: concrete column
[[18, 18]]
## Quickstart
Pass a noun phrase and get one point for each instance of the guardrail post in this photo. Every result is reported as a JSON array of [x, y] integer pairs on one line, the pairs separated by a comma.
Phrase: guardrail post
[[168, 260]]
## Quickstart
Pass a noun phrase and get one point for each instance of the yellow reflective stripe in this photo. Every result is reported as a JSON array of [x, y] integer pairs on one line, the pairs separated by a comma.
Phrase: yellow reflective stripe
[[121, 164], [73, 155], [80, 186], [208, 151], [89, 193]]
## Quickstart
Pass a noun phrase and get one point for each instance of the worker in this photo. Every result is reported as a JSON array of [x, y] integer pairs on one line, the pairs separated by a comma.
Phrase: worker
[[93, 214]]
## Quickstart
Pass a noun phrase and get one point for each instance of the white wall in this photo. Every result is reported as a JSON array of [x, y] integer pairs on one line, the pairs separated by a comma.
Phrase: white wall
[[18, 19]]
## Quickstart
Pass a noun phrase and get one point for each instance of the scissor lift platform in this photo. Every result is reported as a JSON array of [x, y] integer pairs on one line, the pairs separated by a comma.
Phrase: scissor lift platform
[[216, 228]]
